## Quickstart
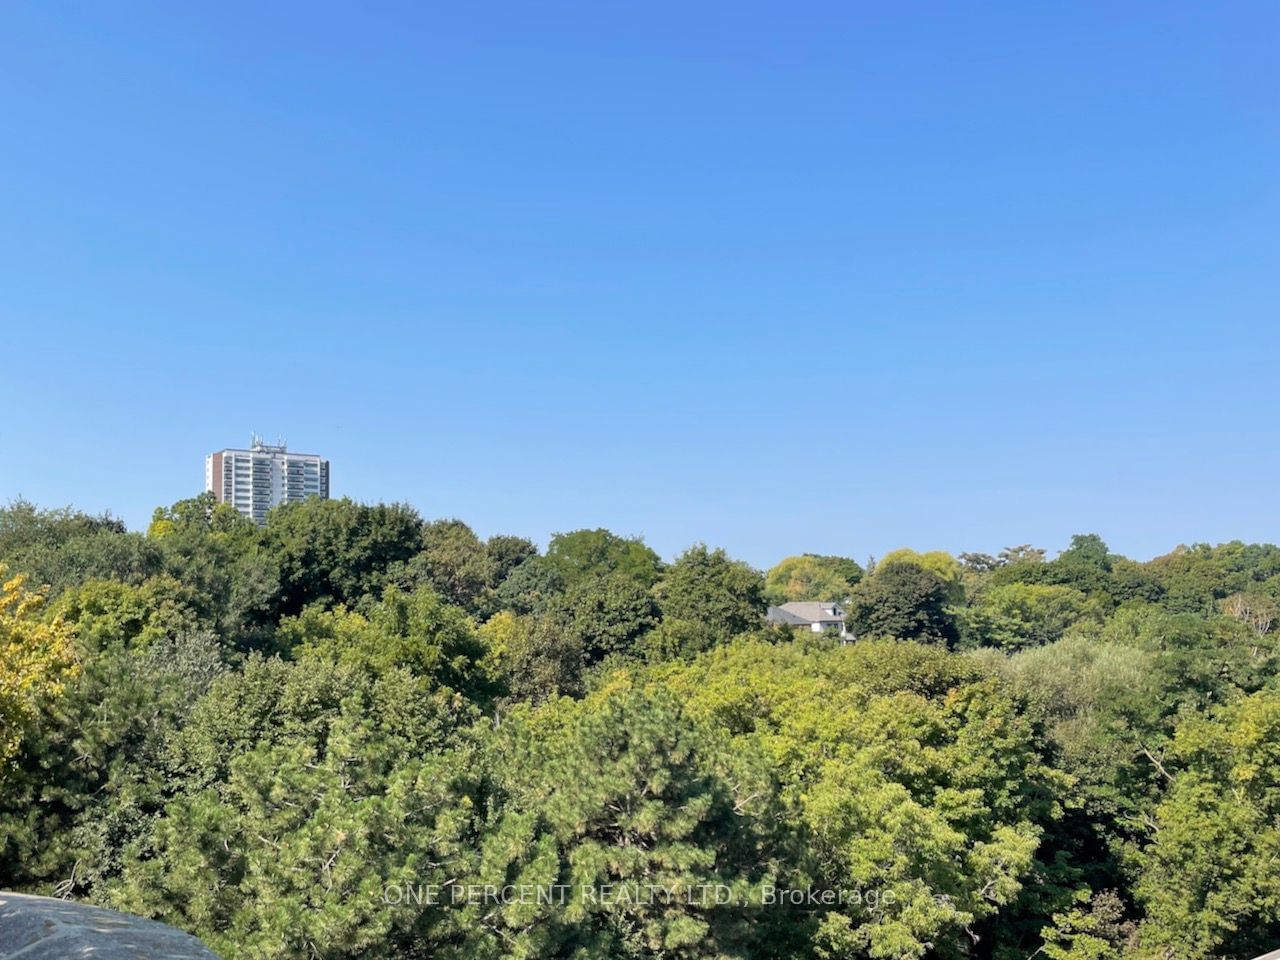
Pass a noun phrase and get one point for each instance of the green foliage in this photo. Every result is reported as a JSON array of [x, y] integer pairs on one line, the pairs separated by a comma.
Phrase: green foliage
[[63, 548], [812, 577], [306, 789], [531, 586], [455, 563], [657, 803], [219, 555], [1100, 704], [96, 773], [1020, 615], [338, 551], [35, 658], [256, 733], [89, 775], [585, 554], [540, 658], [906, 601], [1194, 578], [680, 639], [720, 595], [904, 769], [938, 562], [417, 631], [1086, 565], [607, 616], [1202, 661], [505, 553], [1209, 880], [1093, 930], [108, 613]]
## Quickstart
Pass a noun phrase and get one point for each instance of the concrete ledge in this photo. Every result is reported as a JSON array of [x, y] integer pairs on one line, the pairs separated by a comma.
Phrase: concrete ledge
[[41, 928]]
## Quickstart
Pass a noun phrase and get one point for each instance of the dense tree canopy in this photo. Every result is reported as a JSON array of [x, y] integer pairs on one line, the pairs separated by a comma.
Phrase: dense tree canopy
[[594, 553], [354, 733], [338, 551], [904, 600], [1014, 616], [1208, 876], [812, 577], [35, 656]]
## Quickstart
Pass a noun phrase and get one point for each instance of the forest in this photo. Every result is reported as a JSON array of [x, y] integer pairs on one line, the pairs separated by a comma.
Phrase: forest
[[353, 732]]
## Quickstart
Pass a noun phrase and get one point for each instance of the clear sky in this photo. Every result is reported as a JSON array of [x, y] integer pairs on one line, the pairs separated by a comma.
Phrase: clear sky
[[833, 277]]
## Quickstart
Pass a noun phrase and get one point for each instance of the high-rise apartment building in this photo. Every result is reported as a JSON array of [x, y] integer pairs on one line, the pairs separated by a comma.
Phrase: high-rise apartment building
[[264, 476]]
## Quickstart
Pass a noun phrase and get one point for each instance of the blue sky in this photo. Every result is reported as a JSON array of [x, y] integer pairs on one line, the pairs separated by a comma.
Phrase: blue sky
[[830, 277]]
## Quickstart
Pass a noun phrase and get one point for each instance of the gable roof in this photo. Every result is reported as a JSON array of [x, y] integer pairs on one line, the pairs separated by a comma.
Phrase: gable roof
[[780, 615], [805, 612], [812, 611]]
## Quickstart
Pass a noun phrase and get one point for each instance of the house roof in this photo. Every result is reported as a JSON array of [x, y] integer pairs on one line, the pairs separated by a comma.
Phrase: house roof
[[813, 610], [779, 615], [805, 613]]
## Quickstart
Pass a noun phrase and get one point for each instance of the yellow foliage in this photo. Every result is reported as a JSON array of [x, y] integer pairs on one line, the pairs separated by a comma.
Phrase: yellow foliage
[[36, 657], [937, 562], [160, 528], [497, 633], [620, 681]]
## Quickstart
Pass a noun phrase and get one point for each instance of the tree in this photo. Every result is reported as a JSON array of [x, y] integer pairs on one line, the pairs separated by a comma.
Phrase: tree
[[201, 514], [63, 548], [538, 657], [1201, 662], [1093, 929], [905, 601], [1101, 706], [980, 562], [584, 554], [108, 613], [338, 551], [1257, 611], [258, 733], [661, 813], [1191, 579], [94, 773], [505, 553], [1099, 703], [1133, 582], [531, 586], [1086, 565], [311, 789], [608, 615], [706, 587], [455, 563], [36, 657], [1023, 553], [23, 526], [938, 562], [904, 769], [675, 639], [417, 631], [220, 556], [1208, 880], [812, 577], [1019, 615]]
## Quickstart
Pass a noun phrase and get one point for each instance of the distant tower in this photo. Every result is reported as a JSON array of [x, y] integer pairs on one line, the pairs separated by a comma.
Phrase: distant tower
[[264, 476]]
